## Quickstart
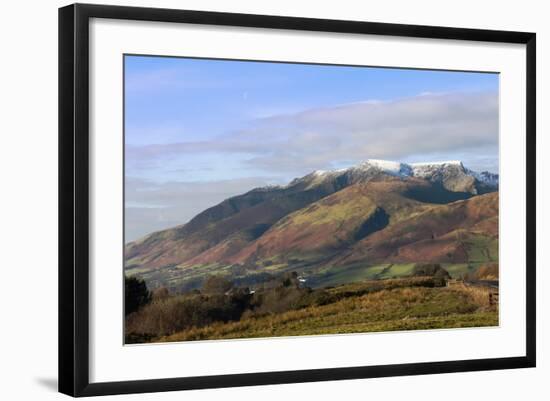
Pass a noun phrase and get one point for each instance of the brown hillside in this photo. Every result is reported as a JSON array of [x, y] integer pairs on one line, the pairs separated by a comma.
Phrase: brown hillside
[[442, 233], [333, 224]]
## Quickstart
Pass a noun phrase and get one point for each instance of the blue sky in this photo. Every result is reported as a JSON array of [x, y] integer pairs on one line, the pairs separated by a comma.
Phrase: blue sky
[[197, 125]]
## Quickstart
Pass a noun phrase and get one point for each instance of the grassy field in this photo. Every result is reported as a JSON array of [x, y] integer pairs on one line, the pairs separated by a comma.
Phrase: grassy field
[[190, 277], [368, 306]]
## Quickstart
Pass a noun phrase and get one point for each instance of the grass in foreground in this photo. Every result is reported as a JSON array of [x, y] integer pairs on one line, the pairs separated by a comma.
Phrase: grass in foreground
[[361, 308]]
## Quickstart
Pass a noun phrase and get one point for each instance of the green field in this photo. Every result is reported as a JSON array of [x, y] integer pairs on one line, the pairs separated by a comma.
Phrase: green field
[[191, 277]]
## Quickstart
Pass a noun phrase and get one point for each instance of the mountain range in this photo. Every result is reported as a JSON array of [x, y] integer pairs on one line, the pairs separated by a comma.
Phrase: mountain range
[[373, 220]]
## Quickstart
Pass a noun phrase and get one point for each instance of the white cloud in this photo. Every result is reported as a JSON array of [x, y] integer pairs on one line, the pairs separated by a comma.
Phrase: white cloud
[[465, 123], [423, 128]]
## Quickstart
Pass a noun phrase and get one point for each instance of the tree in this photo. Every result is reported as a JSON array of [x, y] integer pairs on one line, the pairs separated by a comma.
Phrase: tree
[[439, 274], [216, 285], [136, 294], [430, 269], [290, 279]]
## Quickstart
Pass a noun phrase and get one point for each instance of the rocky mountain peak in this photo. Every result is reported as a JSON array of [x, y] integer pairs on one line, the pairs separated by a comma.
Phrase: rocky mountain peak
[[453, 175]]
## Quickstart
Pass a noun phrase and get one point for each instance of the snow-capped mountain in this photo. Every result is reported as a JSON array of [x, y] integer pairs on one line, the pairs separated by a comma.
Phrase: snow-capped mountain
[[452, 175], [376, 212]]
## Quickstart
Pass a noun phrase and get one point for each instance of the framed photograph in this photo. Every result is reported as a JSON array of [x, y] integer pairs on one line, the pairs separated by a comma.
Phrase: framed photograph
[[251, 199]]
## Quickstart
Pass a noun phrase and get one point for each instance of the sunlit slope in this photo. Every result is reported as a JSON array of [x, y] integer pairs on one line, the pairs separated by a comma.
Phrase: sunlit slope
[[459, 232], [332, 227]]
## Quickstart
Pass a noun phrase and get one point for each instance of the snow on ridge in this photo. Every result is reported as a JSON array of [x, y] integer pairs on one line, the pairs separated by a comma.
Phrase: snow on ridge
[[391, 167], [442, 163], [384, 165], [426, 170]]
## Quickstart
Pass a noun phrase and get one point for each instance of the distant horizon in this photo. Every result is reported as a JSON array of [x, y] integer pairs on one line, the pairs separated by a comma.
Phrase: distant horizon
[[199, 131]]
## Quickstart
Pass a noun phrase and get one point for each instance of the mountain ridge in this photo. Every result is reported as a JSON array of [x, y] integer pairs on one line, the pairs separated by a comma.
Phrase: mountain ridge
[[323, 216], [401, 169]]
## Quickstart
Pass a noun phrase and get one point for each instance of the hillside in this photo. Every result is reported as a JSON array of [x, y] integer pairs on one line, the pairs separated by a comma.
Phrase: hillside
[[364, 306], [374, 219]]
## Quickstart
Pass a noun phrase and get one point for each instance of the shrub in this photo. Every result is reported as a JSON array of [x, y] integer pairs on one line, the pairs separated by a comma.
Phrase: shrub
[[287, 279], [160, 293], [478, 295], [431, 270], [169, 315], [277, 300], [216, 285], [316, 298], [488, 271]]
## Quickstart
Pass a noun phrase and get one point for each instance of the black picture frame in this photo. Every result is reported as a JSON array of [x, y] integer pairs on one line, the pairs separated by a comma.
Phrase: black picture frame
[[74, 198]]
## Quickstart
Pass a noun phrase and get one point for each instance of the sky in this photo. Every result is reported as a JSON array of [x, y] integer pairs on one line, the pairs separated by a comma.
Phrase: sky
[[198, 131]]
